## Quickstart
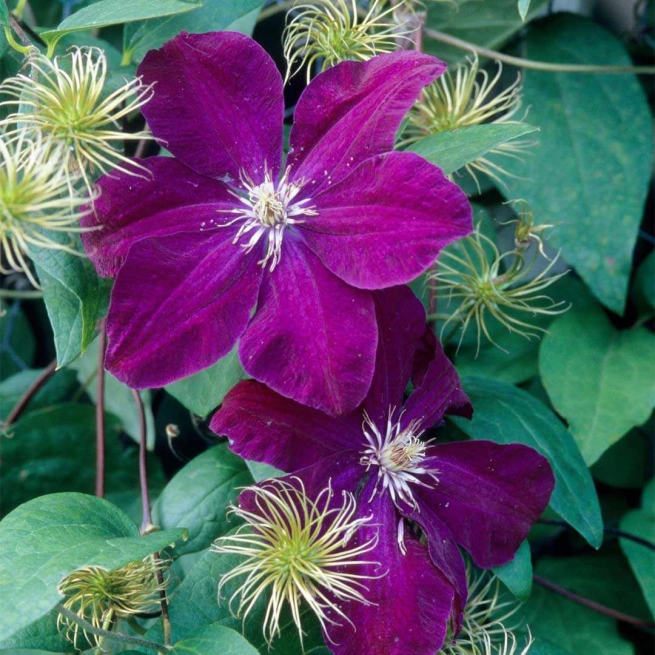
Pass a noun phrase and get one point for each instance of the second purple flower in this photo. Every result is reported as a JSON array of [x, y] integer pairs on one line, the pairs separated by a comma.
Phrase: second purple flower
[[223, 243]]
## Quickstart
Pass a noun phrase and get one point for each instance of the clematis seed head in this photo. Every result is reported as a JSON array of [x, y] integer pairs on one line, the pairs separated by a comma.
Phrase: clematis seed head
[[469, 96], [331, 31], [104, 597], [35, 200], [470, 273], [63, 99], [297, 548], [486, 616]]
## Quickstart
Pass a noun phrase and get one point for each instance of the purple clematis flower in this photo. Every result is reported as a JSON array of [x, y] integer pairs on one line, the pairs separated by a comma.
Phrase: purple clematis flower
[[476, 494], [224, 243]]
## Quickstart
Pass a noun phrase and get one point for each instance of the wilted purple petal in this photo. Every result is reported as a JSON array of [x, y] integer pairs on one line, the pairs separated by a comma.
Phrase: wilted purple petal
[[412, 601], [169, 198], [387, 221], [352, 112], [266, 427], [171, 315], [401, 323], [439, 393], [313, 337], [217, 105], [488, 495]]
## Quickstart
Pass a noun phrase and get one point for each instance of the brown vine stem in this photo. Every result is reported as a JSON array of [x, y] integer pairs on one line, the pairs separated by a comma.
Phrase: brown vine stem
[[532, 64], [146, 516], [100, 411], [18, 408], [591, 604]]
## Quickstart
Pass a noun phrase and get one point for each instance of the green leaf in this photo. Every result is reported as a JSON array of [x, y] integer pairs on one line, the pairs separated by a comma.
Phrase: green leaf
[[17, 343], [641, 523], [489, 23], [43, 634], [49, 537], [261, 471], [598, 378], [506, 414], [117, 12], [53, 449], [524, 8], [565, 623], [204, 391], [118, 396], [75, 297], [517, 574], [198, 496], [591, 171], [55, 390], [4, 14], [214, 15], [214, 639], [452, 150]]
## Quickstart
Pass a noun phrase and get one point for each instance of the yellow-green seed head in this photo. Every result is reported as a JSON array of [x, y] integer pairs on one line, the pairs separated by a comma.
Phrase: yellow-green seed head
[[35, 199], [469, 96], [330, 31], [296, 548], [104, 597], [63, 99], [486, 617], [481, 283]]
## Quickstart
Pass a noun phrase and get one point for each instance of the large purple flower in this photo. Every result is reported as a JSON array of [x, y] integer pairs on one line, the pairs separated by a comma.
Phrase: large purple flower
[[223, 228], [477, 494]]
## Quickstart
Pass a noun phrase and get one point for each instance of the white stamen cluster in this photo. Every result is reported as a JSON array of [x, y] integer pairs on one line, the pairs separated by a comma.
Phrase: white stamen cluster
[[270, 209], [399, 456]]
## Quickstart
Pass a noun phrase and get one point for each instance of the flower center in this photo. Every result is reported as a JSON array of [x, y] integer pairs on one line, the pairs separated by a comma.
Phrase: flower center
[[399, 456], [269, 210]]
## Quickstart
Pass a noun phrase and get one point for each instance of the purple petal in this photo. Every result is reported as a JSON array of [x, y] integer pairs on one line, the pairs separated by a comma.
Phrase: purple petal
[[412, 601], [386, 222], [445, 555], [179, 304], [170, 198], [440, 393], [313, 337], [401, 324], [217, 105], [266, 427], [352, 112], [488, 495]]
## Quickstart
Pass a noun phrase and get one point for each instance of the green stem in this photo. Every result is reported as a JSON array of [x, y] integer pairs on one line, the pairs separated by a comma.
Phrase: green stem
[[20, 8], [32, 294], [24, 50], [115, 636], [532, 64]]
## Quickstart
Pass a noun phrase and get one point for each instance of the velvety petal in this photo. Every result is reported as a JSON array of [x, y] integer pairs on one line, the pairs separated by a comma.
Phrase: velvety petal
[[353, 111], [179, 304], [313, 337], [386, 222], [425, 353], [488, 495], [217, 105], [266, 427], [440, 393], [446, 556], [401, 324], [411, 600], [167, 199]]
